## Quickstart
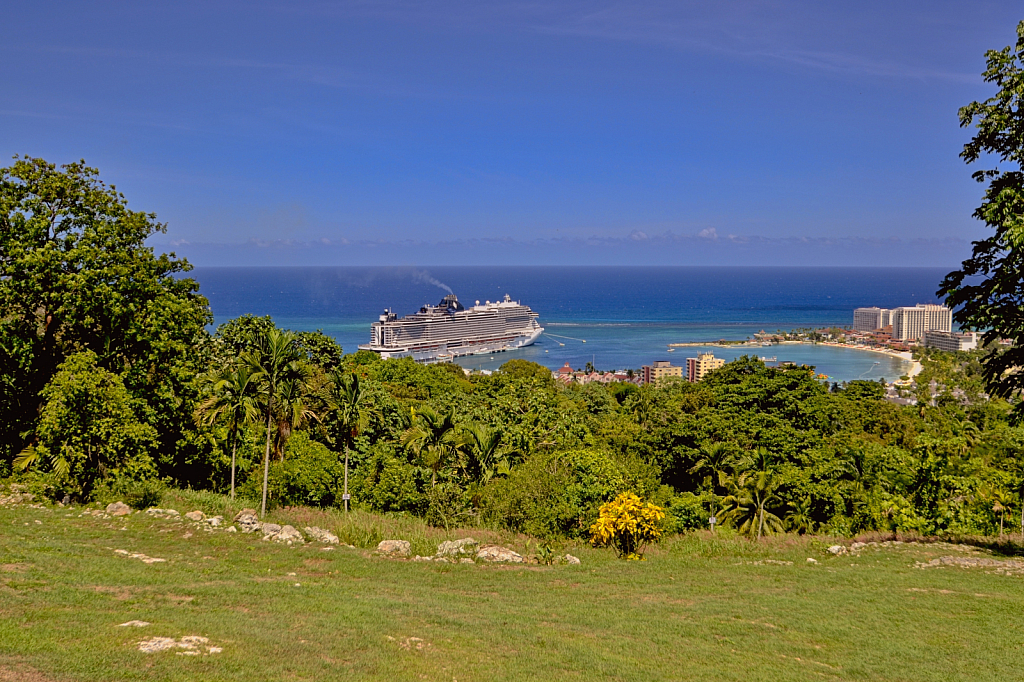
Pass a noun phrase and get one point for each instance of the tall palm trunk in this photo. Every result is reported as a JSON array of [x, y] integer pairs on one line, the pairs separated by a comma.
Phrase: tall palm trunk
[[234, 449], [345, 496], [266, 454]]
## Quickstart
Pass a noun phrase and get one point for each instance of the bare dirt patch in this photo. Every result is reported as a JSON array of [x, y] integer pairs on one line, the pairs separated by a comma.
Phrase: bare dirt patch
[[21, 673]]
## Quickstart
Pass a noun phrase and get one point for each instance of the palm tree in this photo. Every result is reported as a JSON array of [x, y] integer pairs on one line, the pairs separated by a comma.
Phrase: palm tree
[[965, 434], [713, 464], [748, 505], [487, 456], [434, 437], [344, 401], [291, 409], [230, 398], [1001, 503], [273, 360], [715, 460], [754, 490], [801, 518]]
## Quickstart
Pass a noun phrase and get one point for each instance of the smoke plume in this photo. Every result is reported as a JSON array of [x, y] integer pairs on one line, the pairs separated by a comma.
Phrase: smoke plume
[[424, 276]]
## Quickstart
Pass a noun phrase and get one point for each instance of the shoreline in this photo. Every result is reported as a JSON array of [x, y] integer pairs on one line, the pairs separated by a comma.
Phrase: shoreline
[[906, 356]]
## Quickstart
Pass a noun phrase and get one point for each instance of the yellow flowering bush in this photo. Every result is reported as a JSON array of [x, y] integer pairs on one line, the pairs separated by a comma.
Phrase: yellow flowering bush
[[628, 524]]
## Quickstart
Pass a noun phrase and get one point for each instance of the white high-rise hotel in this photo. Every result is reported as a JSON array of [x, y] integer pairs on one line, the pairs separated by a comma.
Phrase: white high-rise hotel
[[908, 323], [870, 319]]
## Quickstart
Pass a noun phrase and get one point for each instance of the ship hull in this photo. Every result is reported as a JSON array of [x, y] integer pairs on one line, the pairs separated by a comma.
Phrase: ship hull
[[443, 352]]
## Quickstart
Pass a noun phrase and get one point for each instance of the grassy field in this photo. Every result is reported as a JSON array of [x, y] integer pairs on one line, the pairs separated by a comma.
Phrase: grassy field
[[701, 607]]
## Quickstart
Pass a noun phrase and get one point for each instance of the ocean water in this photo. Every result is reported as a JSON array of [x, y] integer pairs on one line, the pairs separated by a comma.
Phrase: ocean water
[[614, 317]]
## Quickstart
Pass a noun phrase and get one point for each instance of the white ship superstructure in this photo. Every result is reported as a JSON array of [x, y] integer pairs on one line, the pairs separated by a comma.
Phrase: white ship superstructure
[[449, 330]]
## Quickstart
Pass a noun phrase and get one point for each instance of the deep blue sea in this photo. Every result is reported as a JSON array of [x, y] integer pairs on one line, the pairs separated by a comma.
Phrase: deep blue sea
[[627, 316]]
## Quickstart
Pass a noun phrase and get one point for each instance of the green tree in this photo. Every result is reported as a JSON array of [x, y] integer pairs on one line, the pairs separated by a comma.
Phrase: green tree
[[434, 437], [274, 361], [346, 414], [229, 398], [76, 275], [754, 492], [486, 451], [988, 290], [88, 429], [714, 464]]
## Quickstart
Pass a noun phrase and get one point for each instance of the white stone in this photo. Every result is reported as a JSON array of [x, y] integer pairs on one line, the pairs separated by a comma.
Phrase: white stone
[[837, 549], [571, 560], [118, 509], [394, 547], [287, 534], [320, 535], [458, 548], [498, 554], [248, 520], [811, 560], [195, 516]]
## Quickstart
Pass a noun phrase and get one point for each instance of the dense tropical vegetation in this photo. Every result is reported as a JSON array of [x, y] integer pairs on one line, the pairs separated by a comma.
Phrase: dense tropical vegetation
[[113, 384]]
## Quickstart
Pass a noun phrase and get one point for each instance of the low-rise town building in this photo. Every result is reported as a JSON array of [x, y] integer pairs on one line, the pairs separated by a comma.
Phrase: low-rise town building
[[949, 341], [660, 369]]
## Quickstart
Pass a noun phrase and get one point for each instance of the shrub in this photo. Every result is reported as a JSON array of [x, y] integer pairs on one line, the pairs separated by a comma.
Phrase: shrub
[[310, 474], [686, 512], [448, 506], [136, 494], [89, 430], [553, 494], [387, 482], [627, 524]]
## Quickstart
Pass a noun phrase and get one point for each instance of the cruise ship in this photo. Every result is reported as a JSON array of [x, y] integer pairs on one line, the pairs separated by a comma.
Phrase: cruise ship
[[448, 330]]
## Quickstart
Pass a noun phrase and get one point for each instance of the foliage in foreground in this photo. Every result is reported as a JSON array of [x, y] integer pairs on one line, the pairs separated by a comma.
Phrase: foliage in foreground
[[628, 524]]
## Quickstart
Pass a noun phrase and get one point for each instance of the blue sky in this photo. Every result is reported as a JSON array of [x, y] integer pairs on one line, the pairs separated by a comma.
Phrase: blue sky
[[477, 132]]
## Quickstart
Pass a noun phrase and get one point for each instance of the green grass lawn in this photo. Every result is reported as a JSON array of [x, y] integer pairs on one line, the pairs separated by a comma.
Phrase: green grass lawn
[[703, 607]]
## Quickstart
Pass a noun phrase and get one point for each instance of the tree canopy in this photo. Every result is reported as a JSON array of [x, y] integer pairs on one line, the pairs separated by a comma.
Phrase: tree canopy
[[988, 290]]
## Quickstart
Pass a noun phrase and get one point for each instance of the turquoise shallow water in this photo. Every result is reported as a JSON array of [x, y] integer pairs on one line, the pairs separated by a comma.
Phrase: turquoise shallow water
[[627, 316]]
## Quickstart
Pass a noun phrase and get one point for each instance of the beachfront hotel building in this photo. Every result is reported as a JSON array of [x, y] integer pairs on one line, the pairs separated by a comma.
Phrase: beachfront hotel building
[[951, 342], [661, 369], [697, 367], [870, 319], [911, 323]]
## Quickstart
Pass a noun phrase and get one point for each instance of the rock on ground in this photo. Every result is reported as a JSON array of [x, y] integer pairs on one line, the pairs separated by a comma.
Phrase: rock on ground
[[395, 547], [118, 509], [195, 515], [498, 554], [458, 548], [285, 534], [134, 624], [248, 520], [215, 521], [837, 549], [321, 535], [1008, 566], [191, 644], [571, 560], [270, 529]]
